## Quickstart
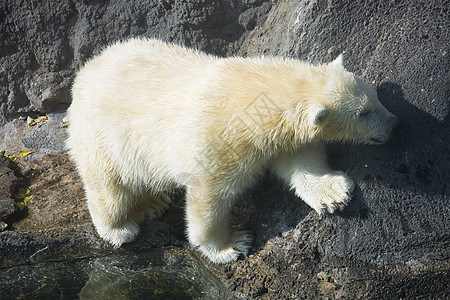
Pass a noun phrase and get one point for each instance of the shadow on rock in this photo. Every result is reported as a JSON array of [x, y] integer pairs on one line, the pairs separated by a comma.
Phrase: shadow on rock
[[268, 210], [418, 157], [416, 160]]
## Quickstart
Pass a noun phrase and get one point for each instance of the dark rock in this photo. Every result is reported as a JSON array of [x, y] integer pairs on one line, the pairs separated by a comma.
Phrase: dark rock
[[8, 186]]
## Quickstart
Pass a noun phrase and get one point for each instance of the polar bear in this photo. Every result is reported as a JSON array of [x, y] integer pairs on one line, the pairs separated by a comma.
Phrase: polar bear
[[148, 116]]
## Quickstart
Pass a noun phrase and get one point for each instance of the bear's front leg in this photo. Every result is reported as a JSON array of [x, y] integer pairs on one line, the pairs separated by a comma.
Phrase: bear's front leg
[[208, 227], [309, 175]]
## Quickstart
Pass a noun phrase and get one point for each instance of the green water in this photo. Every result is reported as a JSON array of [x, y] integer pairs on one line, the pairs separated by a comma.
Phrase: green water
[[156, 274]]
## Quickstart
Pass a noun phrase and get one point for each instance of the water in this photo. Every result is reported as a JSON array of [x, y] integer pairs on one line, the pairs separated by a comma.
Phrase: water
[[155, 274]]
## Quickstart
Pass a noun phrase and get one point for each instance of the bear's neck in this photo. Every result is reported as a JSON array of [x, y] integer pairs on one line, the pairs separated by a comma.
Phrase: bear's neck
[[267, 110], [278, 135]]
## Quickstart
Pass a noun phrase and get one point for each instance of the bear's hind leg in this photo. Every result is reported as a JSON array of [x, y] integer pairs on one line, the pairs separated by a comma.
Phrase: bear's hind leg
[[112, 215], [154, 204], [116, 211], [208, 228]]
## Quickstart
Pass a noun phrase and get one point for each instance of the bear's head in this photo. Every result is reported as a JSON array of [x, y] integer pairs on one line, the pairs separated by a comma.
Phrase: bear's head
[[350, 111]]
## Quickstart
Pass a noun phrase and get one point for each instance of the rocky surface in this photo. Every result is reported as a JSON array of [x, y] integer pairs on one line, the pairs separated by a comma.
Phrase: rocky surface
[[392, 241], [8, 184]]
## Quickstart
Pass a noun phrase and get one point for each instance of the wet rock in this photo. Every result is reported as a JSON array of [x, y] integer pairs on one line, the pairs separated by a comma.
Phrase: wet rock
[[168, 274]]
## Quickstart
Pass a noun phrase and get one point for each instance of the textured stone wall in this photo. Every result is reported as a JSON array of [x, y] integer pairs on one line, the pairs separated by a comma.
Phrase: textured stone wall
[[44, 42]]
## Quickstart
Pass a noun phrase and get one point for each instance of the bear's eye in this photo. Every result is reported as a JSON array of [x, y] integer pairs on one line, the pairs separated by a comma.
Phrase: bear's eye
[[364, 113]]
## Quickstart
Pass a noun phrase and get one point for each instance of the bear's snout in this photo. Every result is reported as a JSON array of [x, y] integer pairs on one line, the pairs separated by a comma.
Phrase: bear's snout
[[388, 132]]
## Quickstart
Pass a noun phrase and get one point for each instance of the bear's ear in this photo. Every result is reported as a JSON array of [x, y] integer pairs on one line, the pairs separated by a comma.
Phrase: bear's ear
[[338, 61], [317, 114]]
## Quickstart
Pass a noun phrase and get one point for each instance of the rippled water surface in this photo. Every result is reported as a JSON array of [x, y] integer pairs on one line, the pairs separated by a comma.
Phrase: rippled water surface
[[155, 274]]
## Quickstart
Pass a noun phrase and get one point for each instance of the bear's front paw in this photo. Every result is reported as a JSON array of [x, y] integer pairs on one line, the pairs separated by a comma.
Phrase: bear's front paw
[[331, 192], [241, 241]]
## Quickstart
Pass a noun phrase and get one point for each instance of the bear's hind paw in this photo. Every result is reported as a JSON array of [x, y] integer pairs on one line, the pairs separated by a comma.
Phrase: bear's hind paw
[[240, 245], [118, 236], [242, 241]]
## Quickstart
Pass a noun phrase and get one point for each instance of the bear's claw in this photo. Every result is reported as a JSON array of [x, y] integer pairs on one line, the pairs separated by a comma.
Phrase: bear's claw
[[333, 192], [239, 246]]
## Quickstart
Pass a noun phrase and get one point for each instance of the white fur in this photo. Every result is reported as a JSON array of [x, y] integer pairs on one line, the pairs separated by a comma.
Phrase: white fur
[[147, 116]]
